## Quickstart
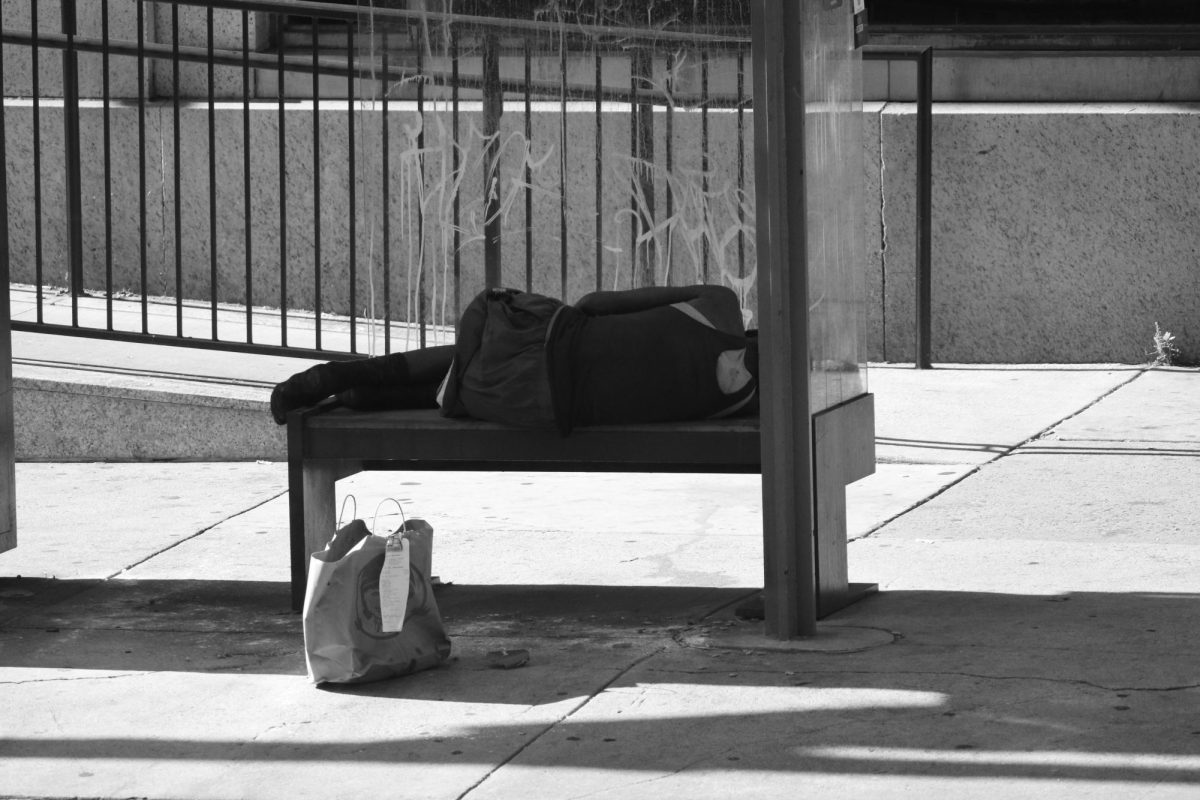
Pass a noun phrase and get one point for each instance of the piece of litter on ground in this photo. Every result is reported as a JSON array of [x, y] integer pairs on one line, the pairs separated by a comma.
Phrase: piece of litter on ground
[[507, 659]]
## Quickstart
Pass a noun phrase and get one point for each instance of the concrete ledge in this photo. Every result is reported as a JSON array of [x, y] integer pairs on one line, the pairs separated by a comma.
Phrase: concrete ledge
[[80, 414], [88, 399]]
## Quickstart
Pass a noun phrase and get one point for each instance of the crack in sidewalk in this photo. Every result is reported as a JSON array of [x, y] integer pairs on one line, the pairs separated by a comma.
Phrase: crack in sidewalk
[[1007, 451], [198, 533], [554, 724], [76, 678]]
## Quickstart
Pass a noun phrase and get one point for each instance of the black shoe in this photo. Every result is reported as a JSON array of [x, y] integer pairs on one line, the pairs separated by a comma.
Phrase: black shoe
[[302, 389]]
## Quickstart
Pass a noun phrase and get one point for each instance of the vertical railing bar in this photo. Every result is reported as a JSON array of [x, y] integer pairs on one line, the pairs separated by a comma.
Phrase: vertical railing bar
[[143, 244], [704, 163], [5, 266], [178, 162], [741, 162], [562, 172], [422, 322], [599, 101], [212, 178], [283, 185], [454, 124], [493, 110], [106, 95], [351, 186], [282, 134], [923, 355], [633, 154], [246, 176], [74, 183], [669, 157], [642, 187], [528, 168], [316, 176], [35, 69], [385, 186]]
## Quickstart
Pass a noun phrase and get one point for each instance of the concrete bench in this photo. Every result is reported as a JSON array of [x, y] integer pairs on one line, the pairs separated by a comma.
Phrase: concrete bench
[[329, 442]]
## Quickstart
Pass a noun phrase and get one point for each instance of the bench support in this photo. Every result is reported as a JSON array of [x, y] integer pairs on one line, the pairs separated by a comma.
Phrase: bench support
[[312, 501], [843, 452]]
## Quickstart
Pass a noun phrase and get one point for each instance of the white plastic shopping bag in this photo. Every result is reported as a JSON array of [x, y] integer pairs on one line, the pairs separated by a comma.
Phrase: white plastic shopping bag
[[369, 609]]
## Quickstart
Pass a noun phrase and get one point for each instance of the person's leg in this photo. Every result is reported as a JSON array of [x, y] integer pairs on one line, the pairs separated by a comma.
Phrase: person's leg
[[414, 369], [381, 398]]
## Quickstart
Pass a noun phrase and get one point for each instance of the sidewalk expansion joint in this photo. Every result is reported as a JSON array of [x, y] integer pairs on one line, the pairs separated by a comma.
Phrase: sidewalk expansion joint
[[200, 532], [555, 723], [1007, 451]]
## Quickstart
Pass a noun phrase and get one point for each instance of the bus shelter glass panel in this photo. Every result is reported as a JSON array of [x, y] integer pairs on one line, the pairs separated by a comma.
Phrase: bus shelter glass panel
[[559, 148], [833, 165]]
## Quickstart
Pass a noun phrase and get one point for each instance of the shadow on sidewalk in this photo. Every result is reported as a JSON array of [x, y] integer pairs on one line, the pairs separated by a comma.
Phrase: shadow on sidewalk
[[248, 626], [1092, 687]]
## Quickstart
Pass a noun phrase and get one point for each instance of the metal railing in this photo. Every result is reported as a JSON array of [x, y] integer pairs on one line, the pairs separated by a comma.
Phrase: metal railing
[[374, 187]]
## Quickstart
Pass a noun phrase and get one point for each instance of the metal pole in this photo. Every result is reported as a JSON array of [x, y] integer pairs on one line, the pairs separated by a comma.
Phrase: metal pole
[[924, 208], [74, 183], [789, 550]]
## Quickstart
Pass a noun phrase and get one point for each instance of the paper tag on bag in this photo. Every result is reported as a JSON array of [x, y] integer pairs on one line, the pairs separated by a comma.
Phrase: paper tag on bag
[[393, 584]]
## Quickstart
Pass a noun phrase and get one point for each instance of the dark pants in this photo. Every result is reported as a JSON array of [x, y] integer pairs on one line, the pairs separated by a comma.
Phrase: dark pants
[[397, 380]]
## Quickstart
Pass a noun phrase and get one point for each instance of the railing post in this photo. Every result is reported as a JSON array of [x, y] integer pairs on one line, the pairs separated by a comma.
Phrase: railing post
[[642, 110], [4, 216], [924, 230], [73, 182], [493, 108]]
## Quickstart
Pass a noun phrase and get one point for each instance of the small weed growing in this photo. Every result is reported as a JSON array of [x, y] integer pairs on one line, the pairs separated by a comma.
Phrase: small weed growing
[[1165, 349]]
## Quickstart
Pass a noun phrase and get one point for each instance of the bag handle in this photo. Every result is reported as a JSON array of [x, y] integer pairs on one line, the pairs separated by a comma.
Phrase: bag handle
[[403, 519], [342, 514]]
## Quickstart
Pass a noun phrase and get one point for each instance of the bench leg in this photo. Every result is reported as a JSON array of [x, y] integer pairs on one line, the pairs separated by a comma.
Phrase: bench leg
[[843, 452], [312, 516]]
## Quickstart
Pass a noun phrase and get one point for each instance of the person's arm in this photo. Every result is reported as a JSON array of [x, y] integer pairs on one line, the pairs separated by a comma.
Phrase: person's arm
[[717, 304], [628, 301]]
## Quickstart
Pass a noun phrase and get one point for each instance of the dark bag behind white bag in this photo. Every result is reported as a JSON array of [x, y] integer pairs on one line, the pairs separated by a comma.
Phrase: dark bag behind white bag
[[369, 609]]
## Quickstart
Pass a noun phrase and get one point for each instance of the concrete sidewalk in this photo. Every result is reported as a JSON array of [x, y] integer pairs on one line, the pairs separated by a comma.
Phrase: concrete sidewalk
[[1032, 530]]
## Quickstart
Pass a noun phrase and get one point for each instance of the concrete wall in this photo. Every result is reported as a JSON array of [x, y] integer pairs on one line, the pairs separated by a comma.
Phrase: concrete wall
[[1062, 233]]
